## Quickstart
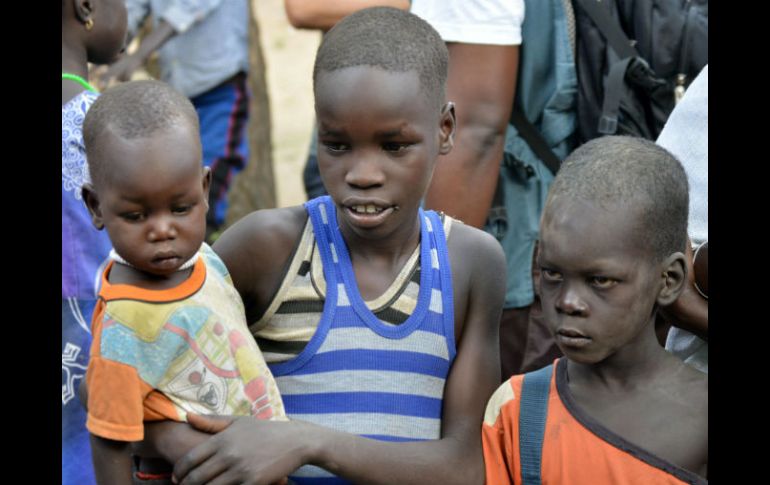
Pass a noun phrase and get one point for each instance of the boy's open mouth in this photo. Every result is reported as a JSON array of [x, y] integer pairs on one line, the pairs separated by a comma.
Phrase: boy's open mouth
[[368, 215], [366, 209], [368, 212]]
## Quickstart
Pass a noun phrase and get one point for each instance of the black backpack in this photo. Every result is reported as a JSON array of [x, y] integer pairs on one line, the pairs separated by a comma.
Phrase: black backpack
[[634, 58]]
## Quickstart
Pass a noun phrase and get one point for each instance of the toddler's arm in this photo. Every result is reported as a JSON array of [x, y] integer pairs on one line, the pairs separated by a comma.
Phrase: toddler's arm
[[112, 461]]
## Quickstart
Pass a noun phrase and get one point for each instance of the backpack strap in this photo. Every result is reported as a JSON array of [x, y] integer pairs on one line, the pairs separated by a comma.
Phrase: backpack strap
[[532, 415], [497, 219], [534, 139], [609, 27], [623, 47], [608, 123]]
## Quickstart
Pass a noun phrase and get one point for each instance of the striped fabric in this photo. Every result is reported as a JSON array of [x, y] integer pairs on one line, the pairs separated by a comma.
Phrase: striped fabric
[[359, 374], [292, 318]]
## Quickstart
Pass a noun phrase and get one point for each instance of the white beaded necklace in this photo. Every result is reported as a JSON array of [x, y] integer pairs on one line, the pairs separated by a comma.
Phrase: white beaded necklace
[[187, 264]]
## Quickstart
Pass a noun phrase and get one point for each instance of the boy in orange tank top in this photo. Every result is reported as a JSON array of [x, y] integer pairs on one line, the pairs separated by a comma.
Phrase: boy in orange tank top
[[617, 409]]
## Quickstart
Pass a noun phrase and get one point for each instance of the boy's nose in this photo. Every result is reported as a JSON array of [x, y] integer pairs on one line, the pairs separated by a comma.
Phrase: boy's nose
[[569, 302], [365, 173], [162, 229]]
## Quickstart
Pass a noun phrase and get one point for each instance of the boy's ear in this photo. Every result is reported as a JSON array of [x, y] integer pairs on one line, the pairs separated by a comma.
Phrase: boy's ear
[[92, 203], [84, 10], [674, 277], [206, 184], [448, 125]]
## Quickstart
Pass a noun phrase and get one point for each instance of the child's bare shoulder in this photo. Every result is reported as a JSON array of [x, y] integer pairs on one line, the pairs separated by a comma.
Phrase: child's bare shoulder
[[471, 247], [692, 387], [256, 250], [683, 400], [271, 227], [478, 276], [473, 255]]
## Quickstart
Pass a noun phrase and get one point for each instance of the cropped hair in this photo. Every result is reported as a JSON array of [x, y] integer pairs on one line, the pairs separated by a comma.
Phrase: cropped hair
[[614, 170], [131, 110], [389, 39]]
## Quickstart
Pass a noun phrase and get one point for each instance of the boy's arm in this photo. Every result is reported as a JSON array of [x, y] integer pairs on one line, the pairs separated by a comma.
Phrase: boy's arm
[[322, 14], [481, 83], [169, 440], [124, 68], [112, 461], [261, 451]]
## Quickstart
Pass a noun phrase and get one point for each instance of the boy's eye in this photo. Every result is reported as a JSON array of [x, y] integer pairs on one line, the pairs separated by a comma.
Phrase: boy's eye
[[182, 209], [132, 216], [550, 275], [602, 282], [395, 146], [335, 147]]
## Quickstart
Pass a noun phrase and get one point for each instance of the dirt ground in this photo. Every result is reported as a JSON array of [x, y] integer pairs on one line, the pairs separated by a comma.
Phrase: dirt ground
[[289, 55]]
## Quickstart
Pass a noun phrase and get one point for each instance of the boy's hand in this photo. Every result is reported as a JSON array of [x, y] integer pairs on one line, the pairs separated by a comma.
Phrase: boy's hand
[[246, 450]]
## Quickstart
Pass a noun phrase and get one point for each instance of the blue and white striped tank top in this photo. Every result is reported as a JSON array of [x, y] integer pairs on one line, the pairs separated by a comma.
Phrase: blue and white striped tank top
[[363, 376]]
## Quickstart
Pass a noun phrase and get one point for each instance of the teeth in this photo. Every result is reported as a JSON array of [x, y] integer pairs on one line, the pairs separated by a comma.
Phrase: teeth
[[366, 209]]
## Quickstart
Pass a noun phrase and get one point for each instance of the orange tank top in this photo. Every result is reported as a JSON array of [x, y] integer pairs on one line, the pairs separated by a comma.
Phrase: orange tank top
[[576, 449]]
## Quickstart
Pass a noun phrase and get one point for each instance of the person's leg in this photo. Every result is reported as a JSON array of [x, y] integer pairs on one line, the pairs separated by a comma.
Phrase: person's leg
[[223, 113], [76, 467], [514, 324], [541, 348]]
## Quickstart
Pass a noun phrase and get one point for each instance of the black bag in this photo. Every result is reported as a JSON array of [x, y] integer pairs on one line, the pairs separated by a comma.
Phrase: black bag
[[634, 58]]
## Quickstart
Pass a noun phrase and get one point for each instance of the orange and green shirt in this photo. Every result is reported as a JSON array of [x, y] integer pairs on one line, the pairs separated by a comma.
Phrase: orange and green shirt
[[160, 354]]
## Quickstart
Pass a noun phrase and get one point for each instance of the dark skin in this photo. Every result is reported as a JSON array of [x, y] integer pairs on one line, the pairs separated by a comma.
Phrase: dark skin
[[99, 45], [600, 290], [482, 83], [378, 150]]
